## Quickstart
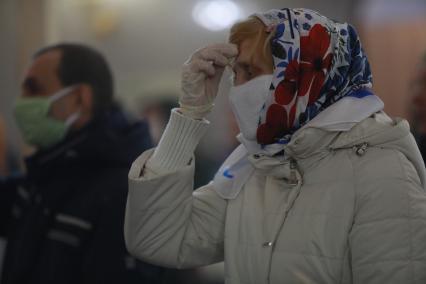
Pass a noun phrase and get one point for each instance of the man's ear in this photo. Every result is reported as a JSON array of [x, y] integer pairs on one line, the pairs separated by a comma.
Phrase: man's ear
[[86, 98]]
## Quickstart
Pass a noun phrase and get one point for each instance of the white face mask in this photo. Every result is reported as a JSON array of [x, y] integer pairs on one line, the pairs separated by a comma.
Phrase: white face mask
[[247, 101]]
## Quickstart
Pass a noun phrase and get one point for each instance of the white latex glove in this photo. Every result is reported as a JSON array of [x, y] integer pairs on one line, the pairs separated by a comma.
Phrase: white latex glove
[[201, 75]]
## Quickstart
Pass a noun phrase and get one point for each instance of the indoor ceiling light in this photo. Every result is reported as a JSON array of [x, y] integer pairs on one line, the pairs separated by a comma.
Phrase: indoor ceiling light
[[216, 15]]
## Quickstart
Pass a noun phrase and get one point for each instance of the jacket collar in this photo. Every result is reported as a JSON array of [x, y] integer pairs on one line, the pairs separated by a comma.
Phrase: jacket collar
[[312, 143], [342, 116], [375, 130]]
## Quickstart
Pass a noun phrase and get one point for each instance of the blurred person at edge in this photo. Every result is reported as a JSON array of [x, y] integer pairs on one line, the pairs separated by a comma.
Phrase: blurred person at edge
[[64, 218], [10, 160], [419, 107], [324, 188], [3, 157]]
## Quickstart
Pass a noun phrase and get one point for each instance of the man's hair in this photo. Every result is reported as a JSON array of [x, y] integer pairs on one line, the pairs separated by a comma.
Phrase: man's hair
[[83, 64]]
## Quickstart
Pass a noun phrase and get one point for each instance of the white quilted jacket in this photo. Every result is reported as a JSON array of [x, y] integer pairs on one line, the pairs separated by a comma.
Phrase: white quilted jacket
[[343, 207]]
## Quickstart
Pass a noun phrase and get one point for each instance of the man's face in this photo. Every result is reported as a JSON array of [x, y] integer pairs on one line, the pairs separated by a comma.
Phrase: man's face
[[419, 102], [41, 80], [247, 65]]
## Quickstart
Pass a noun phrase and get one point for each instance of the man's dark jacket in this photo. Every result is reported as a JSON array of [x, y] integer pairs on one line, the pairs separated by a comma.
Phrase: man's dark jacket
[[64, 220]]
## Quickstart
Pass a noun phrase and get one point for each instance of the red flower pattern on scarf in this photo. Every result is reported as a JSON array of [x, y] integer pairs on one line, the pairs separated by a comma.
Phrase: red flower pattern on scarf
[[287, 88], [315, 63], [304, 78]]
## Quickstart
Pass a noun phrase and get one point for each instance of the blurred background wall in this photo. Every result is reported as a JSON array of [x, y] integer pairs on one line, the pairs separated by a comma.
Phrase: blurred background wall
[[394, 36]]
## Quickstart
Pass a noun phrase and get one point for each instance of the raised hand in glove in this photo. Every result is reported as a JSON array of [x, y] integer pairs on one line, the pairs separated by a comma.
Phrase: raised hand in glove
[[201, 75]]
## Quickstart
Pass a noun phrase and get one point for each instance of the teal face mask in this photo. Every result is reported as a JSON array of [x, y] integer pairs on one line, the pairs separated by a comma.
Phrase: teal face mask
[[37, 127]]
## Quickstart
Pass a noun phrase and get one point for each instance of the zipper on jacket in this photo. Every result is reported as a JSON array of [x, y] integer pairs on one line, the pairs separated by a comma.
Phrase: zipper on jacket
[[293, 175], [295, 180], [360, 149]]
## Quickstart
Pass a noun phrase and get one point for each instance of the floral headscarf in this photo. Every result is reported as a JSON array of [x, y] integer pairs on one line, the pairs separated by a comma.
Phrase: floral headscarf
[[317, 61]]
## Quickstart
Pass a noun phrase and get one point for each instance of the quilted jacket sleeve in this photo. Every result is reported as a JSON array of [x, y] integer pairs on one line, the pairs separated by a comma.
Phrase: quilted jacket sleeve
[[388, 237], [169, 224]]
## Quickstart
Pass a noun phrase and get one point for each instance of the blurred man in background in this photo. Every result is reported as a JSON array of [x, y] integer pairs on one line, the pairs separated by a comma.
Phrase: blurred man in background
[[64, 219], [419, 106]]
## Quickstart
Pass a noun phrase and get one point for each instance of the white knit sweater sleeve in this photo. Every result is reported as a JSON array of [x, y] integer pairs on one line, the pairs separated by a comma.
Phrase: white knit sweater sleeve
[[177, 144]]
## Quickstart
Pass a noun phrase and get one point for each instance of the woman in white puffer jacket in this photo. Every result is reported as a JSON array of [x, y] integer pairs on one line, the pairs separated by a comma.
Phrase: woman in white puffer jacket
[[324, 188]]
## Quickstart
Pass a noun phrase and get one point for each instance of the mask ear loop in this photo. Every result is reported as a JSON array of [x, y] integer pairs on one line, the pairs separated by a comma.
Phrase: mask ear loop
[[61, 93], [72, 119]]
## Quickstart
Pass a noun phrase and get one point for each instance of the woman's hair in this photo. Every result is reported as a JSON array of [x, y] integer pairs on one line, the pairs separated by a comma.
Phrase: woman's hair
[[253, 28]]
